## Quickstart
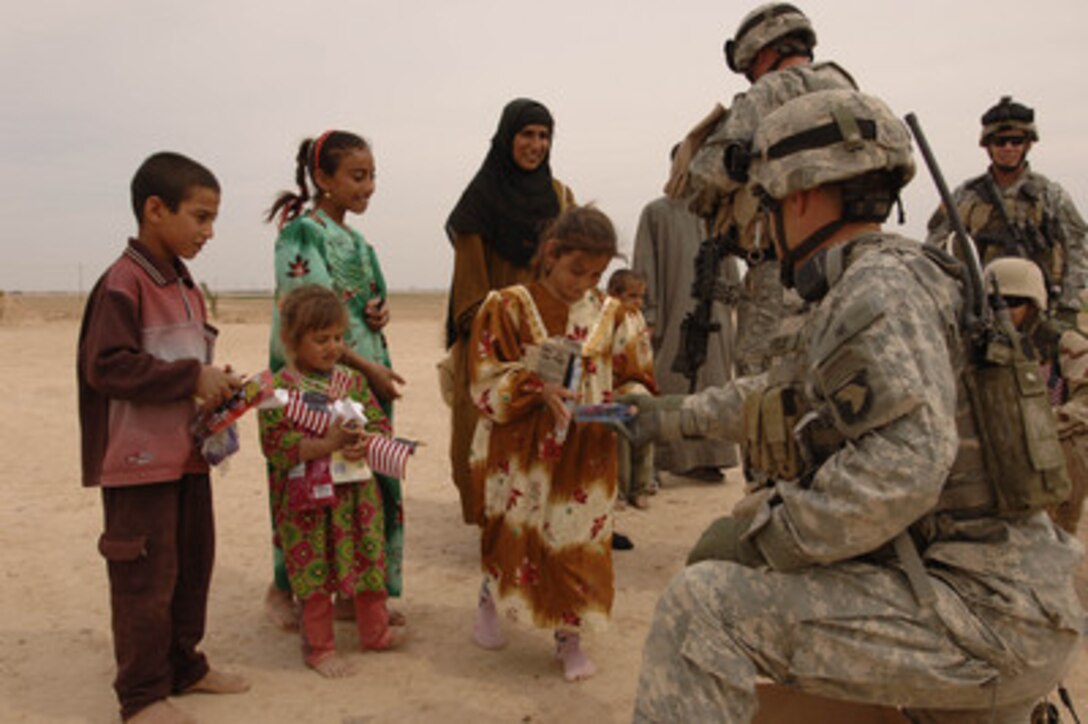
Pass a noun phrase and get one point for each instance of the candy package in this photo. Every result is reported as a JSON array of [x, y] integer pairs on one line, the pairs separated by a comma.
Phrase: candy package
[[214, 432]]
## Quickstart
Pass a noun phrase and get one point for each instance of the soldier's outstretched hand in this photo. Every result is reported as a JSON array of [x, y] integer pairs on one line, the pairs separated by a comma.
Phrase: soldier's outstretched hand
[[655, 419]]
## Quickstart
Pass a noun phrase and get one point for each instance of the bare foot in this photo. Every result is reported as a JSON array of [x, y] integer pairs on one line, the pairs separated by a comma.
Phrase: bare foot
[[392, 638], [396, 618], [485, 631], [568, 649], [280, 609], [641, 501], [620, 504], [343, 609], [332, 666], [219, 682], [161, 712]]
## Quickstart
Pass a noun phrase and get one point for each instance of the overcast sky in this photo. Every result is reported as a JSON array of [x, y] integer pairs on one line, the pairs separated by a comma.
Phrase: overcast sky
[[91, 88]]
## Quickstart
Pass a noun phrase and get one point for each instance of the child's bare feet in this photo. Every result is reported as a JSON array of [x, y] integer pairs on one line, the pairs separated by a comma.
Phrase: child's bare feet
[[391, 638], [620, 504], [641, 501], [219, 682], [568, 649], [485, 631], [332, 666], [280, 609], [161, 712], [396, 618]]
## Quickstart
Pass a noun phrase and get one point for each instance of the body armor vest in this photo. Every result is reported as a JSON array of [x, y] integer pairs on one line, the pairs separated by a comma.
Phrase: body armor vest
[[1009, 461], [1024, 230]]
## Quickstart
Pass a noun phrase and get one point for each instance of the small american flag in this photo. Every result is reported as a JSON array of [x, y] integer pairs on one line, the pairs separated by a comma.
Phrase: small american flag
[[389, 455], [338, 383], [309, 411]]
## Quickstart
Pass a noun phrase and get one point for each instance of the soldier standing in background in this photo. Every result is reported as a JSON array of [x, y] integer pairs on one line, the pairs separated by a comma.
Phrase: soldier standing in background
[[773, 49], [875, 566], [1012, 211], [666, 243]]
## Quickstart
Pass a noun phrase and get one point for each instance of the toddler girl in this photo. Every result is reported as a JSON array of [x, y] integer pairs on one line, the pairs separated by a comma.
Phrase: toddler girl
[[332, 533]]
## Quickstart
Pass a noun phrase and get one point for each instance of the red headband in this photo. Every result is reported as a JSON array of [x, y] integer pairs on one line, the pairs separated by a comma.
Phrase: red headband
[[317, 150]]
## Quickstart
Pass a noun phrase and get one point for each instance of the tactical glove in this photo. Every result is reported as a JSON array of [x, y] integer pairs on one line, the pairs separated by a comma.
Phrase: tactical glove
[[722, 541], [659, 419]]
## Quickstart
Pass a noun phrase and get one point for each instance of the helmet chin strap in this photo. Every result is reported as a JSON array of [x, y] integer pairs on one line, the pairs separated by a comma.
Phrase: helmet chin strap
[[806, 247]]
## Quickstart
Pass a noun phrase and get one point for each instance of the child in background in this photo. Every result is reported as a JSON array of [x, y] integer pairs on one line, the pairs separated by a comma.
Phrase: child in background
[[145, 351], [332, 536], [550, 483], [315, 246], [636, 465], [1064, 354]]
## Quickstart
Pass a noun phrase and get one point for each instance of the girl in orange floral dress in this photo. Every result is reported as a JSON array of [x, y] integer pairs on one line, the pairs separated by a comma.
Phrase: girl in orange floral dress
[[549, 482]]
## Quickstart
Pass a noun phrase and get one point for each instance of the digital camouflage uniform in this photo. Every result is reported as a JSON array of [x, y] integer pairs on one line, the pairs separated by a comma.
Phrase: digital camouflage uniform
[[1042, 210], [879, 357], [764, 301]]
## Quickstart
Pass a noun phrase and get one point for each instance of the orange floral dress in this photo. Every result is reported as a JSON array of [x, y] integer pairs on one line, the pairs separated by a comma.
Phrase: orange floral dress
[[546, 535]]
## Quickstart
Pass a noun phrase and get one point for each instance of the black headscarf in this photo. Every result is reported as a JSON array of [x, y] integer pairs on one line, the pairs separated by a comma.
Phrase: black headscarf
[[505, 204]]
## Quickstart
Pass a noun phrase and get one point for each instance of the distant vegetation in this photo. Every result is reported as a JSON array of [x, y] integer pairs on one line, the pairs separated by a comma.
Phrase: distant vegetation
[[212, 299]]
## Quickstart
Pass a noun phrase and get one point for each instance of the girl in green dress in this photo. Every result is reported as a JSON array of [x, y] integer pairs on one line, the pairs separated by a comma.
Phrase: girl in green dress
[[315, 246]]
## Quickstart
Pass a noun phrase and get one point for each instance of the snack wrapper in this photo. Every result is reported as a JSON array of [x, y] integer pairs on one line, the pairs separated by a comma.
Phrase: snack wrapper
[[215, 432], [607, 412]]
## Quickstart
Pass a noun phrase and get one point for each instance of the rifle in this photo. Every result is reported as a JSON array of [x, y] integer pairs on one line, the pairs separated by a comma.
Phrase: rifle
[[1027, 242], [699, 324]]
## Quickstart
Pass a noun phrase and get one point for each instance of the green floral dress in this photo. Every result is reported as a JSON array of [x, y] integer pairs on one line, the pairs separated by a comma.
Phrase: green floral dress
[[314, 249], [338, 549]]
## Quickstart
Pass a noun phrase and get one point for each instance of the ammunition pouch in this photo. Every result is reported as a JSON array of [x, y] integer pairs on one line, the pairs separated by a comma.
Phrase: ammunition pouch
[[1020, 447], [784, 439]]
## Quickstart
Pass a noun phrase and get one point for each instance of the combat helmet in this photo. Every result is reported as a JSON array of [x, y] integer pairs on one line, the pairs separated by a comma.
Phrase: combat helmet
[[840, 137], [1008, 115], [765, 25], [1017, 277], [828, 137]]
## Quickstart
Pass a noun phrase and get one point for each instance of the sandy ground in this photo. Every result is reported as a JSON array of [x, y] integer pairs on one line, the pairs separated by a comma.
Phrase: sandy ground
[[56, 663]]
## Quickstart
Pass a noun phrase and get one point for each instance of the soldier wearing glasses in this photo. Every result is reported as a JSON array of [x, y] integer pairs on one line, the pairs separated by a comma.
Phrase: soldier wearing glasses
[[1012, 211]]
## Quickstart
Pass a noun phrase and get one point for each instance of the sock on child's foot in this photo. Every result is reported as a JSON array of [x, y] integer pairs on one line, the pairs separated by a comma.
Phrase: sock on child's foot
[[568, 649], [485, 631], [372, 620]]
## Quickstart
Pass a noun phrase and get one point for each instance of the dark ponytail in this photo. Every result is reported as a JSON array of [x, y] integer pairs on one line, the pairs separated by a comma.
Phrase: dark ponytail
[[288, 205]]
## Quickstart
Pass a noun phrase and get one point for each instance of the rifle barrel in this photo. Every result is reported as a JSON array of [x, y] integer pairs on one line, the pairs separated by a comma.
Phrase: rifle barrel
[[976, 292]]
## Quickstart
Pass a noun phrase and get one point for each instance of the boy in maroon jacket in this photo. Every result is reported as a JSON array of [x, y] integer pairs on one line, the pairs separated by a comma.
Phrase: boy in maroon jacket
[[144, 366]]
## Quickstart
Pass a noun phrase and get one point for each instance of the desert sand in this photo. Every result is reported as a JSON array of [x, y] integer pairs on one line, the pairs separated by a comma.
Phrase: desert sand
[[56, 661]]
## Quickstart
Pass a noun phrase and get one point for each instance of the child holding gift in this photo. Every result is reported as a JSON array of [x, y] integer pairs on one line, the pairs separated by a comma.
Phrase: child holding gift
[[145, 352], [550, 483], [332, 533]]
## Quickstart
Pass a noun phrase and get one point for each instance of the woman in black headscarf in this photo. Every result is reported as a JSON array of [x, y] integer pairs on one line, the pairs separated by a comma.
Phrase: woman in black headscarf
[[494, 229]]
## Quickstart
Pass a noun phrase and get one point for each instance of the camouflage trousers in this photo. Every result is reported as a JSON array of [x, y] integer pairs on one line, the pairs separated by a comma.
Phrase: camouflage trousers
[[850, 631]]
